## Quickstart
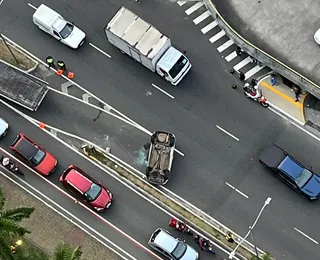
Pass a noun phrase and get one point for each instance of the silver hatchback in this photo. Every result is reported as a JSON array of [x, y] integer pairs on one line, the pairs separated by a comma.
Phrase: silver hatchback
[[171, 247], [3, 127]]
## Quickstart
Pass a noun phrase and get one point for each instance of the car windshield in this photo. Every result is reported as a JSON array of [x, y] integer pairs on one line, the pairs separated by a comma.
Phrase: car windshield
[[175, 70], [38, 157], [67, 30], [179, 250], [303, 178], [93, 192]]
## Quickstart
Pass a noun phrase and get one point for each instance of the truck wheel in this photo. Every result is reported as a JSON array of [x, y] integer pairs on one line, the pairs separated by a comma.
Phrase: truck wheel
[[153, 138], [148, 170], [122, 52], [166, 174], [147, 146], [172, 141]]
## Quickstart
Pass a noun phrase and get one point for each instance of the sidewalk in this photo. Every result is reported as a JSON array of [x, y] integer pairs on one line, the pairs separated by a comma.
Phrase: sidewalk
[[49, 229], [282, 98]]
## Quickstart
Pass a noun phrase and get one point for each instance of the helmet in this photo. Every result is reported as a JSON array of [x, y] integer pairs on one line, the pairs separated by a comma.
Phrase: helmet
[[5, 161], [256, 87]]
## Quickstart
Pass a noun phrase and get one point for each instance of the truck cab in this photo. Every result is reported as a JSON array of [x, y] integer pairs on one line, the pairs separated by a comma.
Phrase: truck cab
[[54, 24], [173, 66]]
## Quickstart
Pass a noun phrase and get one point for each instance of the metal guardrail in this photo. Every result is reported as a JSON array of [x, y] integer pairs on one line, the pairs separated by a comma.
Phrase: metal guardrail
[[263, 56]]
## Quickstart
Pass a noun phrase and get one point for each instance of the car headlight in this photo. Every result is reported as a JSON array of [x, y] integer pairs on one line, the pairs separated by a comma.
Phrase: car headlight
[[98, 209], [108, 205], [7, 125], [197, 256]]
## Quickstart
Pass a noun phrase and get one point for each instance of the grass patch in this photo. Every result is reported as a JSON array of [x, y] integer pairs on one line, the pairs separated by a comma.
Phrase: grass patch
[[24, 62], [102, 158]]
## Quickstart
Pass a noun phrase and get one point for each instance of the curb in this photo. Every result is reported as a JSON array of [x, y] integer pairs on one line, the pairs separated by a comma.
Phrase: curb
[[22, 52], [261, 55]]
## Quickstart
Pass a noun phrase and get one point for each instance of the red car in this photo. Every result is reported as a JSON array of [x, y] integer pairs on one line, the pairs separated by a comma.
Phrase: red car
[[36, 156], [86, 188]]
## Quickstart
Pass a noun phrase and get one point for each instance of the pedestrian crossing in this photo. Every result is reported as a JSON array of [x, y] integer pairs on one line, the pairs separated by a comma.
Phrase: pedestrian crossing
[[202, 18]]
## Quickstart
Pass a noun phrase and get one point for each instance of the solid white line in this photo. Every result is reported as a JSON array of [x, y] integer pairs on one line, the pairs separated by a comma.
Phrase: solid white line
[[1, 1], [242, 63], [181, 3], [202, 17], [209, 27], [226, 132], [276, 112], [177, 151], [240, 192], [286, 114], [164, 92], [98, 49], [225, 45], [231, 56], [253, 71], [217, 36], [313, 240], [64, 216], [194, 8], [32, 6]]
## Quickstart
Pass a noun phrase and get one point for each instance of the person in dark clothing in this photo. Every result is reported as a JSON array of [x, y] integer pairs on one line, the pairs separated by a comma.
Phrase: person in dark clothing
[[241, 76], [238, 51], [50, 62], [253, 82], [61, 65], [229, 237], [297, 92]]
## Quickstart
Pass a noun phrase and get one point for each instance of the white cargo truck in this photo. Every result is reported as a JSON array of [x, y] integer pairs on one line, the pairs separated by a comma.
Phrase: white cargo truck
[[144, 43]]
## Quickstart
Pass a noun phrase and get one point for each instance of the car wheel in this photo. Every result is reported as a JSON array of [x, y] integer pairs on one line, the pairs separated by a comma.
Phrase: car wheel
[[147, 146], [166, 174], [172, 141], [153, 138], [148, 170]]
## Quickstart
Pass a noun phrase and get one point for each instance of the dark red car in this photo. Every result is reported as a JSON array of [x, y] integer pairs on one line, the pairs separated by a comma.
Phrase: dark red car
[[90, 191], [35, 155]]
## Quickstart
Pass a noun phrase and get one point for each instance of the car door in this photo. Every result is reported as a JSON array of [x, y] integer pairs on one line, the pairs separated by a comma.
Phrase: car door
[[287, 180]]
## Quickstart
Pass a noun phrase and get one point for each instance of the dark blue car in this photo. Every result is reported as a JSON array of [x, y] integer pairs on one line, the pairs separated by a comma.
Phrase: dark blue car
[[291, 172]]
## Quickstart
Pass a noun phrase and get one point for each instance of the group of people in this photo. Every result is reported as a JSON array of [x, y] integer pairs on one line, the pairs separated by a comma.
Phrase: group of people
[[61, 65]]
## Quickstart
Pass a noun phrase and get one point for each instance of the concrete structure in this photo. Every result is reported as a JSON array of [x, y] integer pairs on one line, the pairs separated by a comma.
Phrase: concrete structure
[[279, 34]]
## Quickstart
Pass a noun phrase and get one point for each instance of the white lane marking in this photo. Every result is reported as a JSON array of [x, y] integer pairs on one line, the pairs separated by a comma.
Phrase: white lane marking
[[242, 63], [276, 112], [1, 1], [181, 3], [64, 216], [202, 17], [240, 192], [86, 97], [231, 56], [226, 132], [209, 27], [65, 86], [289, 116], [225, 45], [177, 151], [253, 71], [217, 36], [305, 235], [194, 8], [164, 92], [32, 6], [98, 49]]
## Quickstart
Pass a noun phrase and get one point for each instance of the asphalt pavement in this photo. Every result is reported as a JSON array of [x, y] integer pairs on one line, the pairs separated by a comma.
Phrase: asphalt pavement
[[202, 101], [129, 211]]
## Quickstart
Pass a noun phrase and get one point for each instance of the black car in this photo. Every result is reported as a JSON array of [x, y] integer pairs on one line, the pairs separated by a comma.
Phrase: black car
[[291, 172]]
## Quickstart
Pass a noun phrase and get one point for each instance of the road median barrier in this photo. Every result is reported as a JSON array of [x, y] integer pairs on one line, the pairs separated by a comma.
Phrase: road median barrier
[[217, 234]]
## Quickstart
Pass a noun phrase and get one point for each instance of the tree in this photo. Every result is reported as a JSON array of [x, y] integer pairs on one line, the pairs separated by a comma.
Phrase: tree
[[10, 225], [66, 252], [266, 256]]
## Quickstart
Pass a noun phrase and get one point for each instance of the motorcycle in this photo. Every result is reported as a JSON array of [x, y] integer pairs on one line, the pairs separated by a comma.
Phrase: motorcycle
[[255, 94], [200, 241], [180, 226], [12, 167]]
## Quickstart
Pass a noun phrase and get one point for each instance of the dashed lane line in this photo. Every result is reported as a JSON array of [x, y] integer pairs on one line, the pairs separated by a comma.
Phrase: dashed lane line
[[226, 132], [164, 92], [98, 49], [32, 6], [240, 192], [305, 235]]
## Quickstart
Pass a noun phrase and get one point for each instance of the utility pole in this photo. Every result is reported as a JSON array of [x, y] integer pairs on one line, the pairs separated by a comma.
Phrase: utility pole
[[266, 203]]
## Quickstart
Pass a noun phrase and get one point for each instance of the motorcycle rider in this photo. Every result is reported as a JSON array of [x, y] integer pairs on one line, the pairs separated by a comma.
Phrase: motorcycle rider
[[254, 92], [204, 244], [5, 162], [180, 226]]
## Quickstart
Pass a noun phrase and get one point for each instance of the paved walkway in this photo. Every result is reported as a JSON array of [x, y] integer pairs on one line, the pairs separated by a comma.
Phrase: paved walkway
[[49, 229]]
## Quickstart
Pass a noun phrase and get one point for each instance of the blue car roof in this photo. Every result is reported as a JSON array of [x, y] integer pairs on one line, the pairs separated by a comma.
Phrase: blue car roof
[[290, 167]]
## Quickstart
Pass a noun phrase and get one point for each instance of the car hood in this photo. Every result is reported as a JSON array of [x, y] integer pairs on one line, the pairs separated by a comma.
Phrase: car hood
[[74, 39], [47, 165], [3, 126], [312, 188], [190, 254], [317, 36], [102, 200]]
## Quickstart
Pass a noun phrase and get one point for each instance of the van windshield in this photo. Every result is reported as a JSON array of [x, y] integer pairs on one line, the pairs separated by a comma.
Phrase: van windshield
[[175, 70], [67, 30]]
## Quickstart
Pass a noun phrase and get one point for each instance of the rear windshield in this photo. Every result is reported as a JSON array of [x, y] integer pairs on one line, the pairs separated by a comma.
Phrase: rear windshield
[[175, 70], [66, 31]]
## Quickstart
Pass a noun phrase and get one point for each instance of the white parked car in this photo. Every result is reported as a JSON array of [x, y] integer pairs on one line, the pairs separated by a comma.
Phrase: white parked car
[[54, 24], [317, 36], [4, 126]]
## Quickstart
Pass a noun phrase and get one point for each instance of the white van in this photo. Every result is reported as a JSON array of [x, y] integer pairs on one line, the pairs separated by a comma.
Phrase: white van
[[54, 24]]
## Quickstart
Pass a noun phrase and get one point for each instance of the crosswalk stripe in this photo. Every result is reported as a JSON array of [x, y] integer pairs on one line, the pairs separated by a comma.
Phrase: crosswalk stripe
[[209, 27], [217, 36], [225, 46], [242, 63], [202, 17], [181, 3], [194, 8], [231, 56], [253, 71]]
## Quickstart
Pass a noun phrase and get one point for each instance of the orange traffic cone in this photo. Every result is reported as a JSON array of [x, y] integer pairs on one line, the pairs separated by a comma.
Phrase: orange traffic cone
[[70, 75], [42, 125], [59, 72]]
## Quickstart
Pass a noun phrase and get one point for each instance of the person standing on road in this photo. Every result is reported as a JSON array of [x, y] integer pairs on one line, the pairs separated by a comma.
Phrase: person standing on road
[[238, 51], [61, 65], [50, 62], [242, 77], [297, 92], [229, 237], [273, 79]]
